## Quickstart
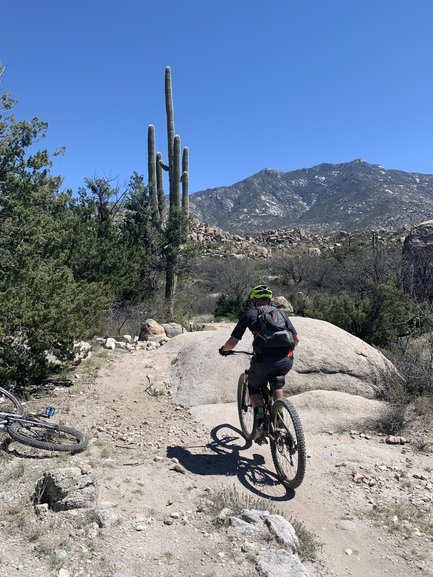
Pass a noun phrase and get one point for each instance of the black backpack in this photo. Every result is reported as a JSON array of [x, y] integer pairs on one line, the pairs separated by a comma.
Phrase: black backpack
[[273, 332]]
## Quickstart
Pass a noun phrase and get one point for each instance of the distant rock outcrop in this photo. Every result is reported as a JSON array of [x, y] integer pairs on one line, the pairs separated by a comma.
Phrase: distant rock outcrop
[[327, 358], [418, 261]]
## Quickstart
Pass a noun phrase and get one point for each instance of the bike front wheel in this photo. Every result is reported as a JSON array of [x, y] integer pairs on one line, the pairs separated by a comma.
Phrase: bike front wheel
[[9, 403], [47, 436], [247, 417], [288, 444]]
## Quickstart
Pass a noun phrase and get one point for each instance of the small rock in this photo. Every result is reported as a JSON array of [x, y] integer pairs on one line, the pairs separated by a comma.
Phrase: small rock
[[178, 468], [140, 527], [110, 343], [346, 525], [348, 551]]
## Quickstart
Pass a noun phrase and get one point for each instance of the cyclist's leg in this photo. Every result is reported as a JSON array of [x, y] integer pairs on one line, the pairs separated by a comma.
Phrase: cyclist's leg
[[257, 377], [276, 377]]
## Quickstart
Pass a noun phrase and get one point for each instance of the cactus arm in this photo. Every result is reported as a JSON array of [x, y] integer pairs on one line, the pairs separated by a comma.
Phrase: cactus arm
[[159, 182], [151, 165], [185, 180], [176, 172]]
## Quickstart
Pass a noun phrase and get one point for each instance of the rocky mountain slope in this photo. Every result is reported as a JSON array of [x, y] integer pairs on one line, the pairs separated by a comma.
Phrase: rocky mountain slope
[[351, 196]]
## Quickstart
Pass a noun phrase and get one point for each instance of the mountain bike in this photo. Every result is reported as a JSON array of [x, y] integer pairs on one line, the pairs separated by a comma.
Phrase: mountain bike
[[282, 426], [34, 430]]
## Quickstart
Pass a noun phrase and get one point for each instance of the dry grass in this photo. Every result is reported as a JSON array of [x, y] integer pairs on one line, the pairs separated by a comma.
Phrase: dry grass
[[232, 499]]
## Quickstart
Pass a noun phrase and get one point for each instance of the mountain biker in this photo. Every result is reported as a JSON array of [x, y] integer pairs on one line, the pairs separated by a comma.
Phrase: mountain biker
[[269, 363]]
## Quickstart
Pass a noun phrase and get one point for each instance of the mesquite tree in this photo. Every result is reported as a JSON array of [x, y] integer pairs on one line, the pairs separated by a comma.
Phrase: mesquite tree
[[174, 224]]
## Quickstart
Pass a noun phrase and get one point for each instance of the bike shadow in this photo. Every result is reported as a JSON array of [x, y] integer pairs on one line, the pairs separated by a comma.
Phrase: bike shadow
[[9, 449], [226, 458]]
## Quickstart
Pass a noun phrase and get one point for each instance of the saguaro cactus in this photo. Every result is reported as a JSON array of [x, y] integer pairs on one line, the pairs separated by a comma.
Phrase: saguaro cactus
[[176, 221]]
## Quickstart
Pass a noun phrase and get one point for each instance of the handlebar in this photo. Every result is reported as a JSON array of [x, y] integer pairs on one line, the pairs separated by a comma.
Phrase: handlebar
[[238, 353]]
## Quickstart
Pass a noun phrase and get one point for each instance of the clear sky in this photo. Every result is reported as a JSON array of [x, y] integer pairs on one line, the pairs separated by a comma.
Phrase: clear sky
[[281, 84]]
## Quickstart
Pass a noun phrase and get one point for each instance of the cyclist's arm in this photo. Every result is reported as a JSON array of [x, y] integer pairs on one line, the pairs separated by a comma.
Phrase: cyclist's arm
[[230, 344], [237, 334]]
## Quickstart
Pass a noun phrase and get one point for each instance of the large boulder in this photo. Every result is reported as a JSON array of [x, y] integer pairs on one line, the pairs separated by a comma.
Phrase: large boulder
[[327, 358], [66, 488], [173, 329], [152, 331]]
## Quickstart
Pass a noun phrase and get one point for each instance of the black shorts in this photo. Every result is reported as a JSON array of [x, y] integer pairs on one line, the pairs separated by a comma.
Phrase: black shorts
[[264, 368]]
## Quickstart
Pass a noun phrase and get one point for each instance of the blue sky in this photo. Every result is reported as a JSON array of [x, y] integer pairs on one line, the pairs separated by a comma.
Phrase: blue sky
[[281, 84]]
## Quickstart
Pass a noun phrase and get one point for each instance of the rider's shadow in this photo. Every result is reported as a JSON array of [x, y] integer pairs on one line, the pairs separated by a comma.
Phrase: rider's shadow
[[226, 459]]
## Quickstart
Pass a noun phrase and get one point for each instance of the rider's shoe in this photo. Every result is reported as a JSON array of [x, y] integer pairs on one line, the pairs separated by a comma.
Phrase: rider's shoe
[[260, 437], [261, 440]]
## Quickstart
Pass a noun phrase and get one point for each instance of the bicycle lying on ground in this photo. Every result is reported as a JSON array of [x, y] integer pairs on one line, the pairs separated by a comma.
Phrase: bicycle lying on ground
[[35, 431], [282, 426]]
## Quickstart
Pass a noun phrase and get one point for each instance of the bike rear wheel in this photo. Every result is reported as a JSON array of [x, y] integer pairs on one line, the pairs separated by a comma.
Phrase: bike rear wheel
[[247, 417], [9, 403], [51, 437], [288, 444]]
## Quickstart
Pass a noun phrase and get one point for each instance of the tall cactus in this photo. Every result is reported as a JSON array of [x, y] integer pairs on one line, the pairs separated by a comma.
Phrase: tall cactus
[[176, 221]]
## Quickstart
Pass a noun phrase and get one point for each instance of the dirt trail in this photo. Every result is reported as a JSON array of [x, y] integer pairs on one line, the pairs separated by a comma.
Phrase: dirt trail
[[155, 462]]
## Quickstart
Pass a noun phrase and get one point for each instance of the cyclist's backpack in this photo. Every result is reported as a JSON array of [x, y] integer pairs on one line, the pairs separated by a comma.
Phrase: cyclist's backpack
[[273, 332]]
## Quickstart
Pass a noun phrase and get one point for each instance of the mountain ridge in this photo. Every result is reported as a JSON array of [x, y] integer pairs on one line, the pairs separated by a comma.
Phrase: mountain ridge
[[353, 196]]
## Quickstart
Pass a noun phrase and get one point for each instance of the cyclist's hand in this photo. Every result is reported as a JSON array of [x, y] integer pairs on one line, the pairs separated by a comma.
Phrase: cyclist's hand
[[223, 352]]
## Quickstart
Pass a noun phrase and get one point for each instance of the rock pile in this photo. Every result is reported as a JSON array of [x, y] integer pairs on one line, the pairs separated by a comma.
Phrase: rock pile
[[277, 559], [217, 242], [152, 336]]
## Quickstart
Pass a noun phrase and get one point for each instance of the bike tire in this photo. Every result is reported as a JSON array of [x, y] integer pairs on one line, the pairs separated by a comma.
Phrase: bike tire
[[288, 448], [47, 436], [9, 403], [247, 417]]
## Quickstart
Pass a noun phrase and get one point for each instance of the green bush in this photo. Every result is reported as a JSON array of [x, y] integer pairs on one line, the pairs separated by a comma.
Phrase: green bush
[[230, 307], [380, 316]]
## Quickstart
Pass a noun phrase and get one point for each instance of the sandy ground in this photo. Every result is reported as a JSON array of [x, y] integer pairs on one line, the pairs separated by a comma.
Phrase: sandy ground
[[156, 463]]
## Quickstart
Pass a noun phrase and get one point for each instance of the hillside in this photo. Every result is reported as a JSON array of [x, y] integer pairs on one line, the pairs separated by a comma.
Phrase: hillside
[[349, 196]]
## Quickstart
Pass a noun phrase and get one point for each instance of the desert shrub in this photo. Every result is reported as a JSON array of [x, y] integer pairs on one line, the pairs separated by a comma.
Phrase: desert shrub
[[230, 306], [380, 316], [413, 357]]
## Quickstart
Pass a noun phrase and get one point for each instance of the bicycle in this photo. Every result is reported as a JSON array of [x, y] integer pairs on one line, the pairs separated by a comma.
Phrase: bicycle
[[282, 426], [33, 431]]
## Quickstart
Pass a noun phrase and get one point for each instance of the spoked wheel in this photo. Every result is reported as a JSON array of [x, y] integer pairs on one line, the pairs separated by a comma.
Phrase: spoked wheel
[[247, 418], [47, 436], [9, 403], [288, 444]]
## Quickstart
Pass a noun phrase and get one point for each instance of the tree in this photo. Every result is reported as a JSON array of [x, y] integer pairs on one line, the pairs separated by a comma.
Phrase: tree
[[44, 308]]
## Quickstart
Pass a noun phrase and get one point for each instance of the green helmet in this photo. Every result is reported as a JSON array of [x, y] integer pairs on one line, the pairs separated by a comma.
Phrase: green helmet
[[260, 291]]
